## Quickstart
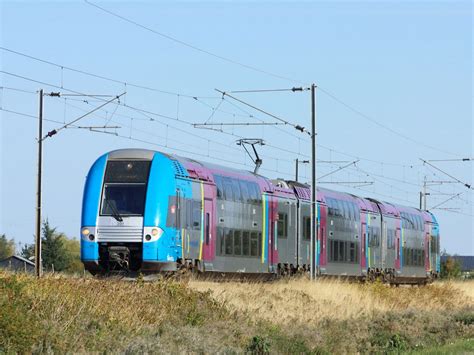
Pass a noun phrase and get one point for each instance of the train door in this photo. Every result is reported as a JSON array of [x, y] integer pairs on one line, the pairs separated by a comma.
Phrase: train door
[[427, 245], [209, 233], [363, 246], [384, 245], [398, 248]]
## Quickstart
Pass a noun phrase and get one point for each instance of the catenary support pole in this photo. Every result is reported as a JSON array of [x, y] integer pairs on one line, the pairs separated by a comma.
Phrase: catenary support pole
[[38, 259], [296, 172], [314, 224]]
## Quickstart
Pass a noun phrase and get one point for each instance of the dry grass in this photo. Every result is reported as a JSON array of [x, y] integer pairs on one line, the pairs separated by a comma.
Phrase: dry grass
[[302, 301], [61, 314]]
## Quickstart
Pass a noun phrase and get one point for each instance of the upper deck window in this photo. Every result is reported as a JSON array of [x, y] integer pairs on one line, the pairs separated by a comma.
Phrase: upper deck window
[[127, 171]]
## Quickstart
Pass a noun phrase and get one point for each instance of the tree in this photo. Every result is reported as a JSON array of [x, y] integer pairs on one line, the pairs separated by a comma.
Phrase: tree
[[451, 268], [7, 247], [73, 248], [54, 252], [28, 251]]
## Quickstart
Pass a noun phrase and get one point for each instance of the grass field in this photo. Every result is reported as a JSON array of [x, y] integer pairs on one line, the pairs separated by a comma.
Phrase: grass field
[[60, 314]]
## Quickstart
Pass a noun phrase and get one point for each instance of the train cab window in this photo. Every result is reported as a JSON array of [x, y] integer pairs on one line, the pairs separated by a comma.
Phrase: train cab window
[[246, 243], [219, 187], [307, 228], [229, 241], [254, 244], [237, 242], [236, 190], [244, 190], [282, 225], [228, 191]]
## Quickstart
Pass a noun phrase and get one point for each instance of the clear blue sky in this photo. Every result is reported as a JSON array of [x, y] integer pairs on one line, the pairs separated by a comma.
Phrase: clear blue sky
[[407, 65]]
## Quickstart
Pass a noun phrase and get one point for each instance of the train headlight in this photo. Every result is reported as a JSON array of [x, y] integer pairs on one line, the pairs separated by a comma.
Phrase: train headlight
[[152, 234], [88, 234]]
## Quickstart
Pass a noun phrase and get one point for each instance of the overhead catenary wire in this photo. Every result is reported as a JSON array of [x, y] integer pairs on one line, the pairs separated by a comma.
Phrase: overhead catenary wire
[[191, 46], [334, 97], [130, 107], [98, 76], [55, 131], [286, 122], [381, 125], [328, 148], [144, 87], [447, 174]]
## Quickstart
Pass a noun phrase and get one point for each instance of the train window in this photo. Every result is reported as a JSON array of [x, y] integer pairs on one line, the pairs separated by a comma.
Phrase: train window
[[342, 251], [246, 243], [228, 192], [208, 228], [373, 237], [221, 240], [337, 212], [127, 171], [282, 225], [254, 244], [307, 228], [196, 215], [390, 239], [347, 210], [350, 211], [255, 192], [330, 209], [245, 191], [171, 219], [353, 256], [252, 192], [236, 190], [259, 242], [219, 187], [229, 241], [237, 242], [344, 211]]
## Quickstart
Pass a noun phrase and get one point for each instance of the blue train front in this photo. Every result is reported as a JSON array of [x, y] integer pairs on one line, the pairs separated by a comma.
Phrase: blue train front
[[125, 211]]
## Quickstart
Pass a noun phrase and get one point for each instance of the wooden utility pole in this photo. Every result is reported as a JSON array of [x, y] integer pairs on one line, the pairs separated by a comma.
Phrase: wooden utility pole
[[38, 259], [314, 224]]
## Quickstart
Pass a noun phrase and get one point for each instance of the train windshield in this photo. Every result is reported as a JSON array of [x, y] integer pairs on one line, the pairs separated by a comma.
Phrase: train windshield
[[125, 186]]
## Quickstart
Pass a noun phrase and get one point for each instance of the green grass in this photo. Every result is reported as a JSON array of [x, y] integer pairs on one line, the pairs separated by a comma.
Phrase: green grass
[[463, 346]]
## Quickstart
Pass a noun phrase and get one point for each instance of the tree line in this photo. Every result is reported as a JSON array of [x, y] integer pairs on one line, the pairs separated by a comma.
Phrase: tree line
[[59, 253]]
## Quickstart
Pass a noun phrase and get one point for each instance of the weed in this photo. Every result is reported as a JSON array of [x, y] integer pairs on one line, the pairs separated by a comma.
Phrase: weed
[[258, 345]]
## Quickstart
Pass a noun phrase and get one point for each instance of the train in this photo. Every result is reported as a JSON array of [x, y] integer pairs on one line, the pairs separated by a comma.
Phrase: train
[[150, 212]]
